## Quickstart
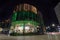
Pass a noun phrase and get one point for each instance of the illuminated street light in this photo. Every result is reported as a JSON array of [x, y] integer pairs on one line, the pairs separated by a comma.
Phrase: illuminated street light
[[53, 24], [27, 27]]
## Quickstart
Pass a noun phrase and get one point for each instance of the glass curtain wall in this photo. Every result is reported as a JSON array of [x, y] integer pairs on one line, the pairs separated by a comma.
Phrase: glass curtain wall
[[25, 19]]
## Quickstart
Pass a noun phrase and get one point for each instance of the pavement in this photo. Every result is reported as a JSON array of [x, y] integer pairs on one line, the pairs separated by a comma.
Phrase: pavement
[[34, 37]]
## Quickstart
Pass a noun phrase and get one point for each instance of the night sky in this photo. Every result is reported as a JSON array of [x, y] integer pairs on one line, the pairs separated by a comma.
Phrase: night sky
[[45, 6]]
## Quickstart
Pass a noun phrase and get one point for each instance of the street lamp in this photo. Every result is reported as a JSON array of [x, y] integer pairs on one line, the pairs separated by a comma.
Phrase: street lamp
[[53, 24]]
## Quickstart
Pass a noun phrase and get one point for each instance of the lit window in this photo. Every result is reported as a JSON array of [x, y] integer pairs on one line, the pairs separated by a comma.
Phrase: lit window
[[25, 7], [19, 7], [34, 9]]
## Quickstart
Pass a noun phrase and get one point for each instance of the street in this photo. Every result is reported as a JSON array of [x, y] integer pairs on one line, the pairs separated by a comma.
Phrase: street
[[35, 37]]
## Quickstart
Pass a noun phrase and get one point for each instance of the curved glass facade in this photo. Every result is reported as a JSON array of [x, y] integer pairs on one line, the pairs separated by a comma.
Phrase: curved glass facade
[[25, 19]]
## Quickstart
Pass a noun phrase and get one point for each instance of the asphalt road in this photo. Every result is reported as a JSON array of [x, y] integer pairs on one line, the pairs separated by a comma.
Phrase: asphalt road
[[35, 37]]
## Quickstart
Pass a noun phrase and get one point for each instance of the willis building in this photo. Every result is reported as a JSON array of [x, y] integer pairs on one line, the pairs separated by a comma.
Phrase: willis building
[[26, 19]]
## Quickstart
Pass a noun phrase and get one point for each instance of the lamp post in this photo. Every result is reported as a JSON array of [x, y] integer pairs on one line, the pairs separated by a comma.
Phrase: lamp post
[[53, 28]]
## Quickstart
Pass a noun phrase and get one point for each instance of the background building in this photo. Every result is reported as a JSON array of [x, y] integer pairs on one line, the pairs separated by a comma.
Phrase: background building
[[27, 19]]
